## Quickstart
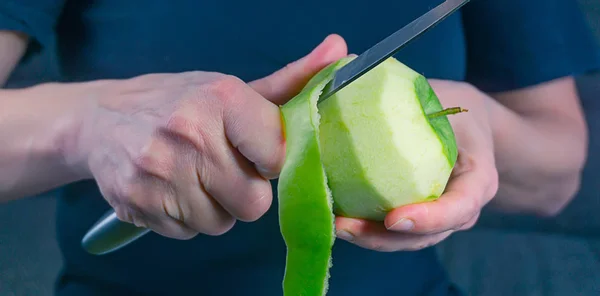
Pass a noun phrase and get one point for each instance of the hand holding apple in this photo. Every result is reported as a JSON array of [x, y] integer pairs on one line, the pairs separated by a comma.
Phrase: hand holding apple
[[381, 149], [473, 183]]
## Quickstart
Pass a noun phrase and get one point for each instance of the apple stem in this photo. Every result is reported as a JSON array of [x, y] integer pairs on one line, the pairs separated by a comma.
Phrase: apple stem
[[447, 111]]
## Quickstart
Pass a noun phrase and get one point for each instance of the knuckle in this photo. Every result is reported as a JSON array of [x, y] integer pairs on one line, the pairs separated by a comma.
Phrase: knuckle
[[139, 221], [150, 160], [122, 213], [226, 87], [188, 129], [181, 125], [133, 199], [130, 215], [470, 224], [258, 203], [172, 208], [124, 192], [137, 204]]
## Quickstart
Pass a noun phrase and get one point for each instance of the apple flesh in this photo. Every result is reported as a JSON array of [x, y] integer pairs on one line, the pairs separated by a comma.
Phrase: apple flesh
[[379, 147]]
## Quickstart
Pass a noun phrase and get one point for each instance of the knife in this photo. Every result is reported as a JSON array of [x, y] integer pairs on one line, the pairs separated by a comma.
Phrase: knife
[[389, 46], [110, 234]]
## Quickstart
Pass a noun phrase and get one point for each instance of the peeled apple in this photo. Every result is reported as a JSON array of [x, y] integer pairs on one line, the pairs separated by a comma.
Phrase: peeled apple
[[381, 142]]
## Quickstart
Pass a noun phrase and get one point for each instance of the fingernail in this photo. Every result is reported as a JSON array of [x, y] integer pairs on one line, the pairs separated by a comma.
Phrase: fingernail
[[345, 235], [403, 224]]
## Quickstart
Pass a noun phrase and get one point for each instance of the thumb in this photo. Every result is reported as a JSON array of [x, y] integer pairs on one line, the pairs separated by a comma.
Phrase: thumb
[[284, 84]]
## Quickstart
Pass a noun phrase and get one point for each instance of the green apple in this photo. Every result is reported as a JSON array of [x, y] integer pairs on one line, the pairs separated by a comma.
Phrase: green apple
[[381, 142], [379, 147]]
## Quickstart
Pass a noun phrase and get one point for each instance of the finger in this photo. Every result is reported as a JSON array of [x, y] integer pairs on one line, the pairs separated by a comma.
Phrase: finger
[[133, 194], [205, 214], [167, 228], [234, 183], [254, 127], [284, 84], [374, 236], [158, 223], [174, 191], [465, 194], [223, 172], [137, 203]]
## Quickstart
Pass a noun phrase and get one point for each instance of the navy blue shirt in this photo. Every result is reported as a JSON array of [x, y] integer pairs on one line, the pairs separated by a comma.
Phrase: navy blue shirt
[[497, 45]]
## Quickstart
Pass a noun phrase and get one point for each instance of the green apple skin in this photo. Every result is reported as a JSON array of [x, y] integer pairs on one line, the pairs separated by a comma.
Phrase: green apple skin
[[378, 146], [306, 218]]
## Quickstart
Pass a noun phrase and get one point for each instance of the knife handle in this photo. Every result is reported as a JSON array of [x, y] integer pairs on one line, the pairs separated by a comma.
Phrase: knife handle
[[110, 234]]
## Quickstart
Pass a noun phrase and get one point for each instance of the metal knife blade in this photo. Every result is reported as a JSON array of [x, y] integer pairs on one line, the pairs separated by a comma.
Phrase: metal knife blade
[[389, 46], [110, 234]]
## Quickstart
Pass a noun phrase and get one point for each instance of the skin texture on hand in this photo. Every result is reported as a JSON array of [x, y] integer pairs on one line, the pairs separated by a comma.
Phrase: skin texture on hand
[[192, 152], [473, 183]]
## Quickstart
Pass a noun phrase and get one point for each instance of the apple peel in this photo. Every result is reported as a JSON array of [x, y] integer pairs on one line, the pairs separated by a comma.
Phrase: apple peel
[[306, 216]]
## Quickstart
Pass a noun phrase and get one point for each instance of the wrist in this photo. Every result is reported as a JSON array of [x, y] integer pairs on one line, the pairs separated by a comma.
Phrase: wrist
[[539, 160], [63, 124], [41, 128]]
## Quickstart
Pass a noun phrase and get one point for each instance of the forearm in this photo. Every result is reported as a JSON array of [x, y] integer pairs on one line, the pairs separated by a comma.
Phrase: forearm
[[539, 158], [12, 48], [37, 125]]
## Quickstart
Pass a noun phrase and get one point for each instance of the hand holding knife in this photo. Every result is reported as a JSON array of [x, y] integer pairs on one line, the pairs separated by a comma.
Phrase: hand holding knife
[[110, 234]]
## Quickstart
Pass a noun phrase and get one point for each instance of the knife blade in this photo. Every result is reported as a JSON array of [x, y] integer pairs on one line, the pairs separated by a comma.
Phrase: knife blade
[[110, 234], [389, 46]]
